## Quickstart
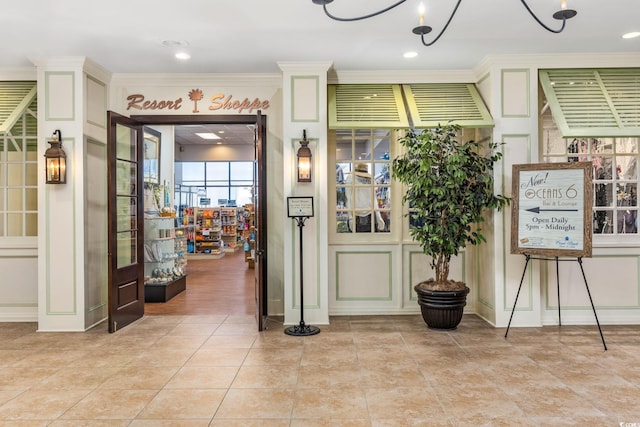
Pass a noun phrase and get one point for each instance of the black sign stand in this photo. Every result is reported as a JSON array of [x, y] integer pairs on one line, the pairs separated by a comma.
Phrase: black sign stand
[[579, 260], [301, 209], [301, 329]]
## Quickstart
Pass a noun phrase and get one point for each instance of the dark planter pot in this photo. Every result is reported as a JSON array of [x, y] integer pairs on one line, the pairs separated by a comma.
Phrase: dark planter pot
[[441, 309]]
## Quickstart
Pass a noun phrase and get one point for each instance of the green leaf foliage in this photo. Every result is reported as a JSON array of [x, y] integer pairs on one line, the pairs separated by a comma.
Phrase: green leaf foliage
[[449, 186]]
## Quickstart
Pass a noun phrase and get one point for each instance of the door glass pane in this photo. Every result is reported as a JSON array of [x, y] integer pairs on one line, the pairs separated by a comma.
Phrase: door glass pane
[[31, 199], [15, 174], [31, 224], [14, 224], [602, 222], [32, 174], [125, 178], [15, 199], [126, 143], [126, 242], [126, 213], [2, 193]]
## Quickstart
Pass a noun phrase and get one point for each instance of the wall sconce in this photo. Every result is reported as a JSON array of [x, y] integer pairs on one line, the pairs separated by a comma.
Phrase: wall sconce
[[56, 160], [304, 159]]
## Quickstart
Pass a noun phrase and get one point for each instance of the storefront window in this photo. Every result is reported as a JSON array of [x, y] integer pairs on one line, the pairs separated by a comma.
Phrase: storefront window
[[18, 179], [363, 181], [615, 177]]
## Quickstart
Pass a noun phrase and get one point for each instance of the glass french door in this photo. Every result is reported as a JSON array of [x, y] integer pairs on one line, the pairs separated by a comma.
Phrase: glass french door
[[125, 218]]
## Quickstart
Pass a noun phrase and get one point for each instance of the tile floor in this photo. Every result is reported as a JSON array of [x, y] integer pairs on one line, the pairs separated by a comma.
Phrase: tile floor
[[217, 370]]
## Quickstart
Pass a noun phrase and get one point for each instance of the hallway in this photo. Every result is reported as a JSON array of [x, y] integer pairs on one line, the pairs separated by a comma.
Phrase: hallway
[[214, 287]]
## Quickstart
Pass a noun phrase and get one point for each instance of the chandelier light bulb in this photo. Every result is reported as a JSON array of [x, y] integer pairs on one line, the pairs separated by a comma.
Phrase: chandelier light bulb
[[421, 11]]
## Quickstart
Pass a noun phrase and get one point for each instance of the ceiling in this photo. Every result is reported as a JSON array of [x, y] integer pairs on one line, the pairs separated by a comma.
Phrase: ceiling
[[252, 36], [230, 134]]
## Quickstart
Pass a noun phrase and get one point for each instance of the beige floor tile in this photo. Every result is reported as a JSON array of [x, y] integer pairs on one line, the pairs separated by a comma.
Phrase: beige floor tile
[[279, 340], [479, 401], [169, 423], [76, 378], [218, 357], [164, 357], [614, 399], [256, 404], [40, 404], [176, 342], [273, 356], [324, 355], [89, 423], [52, 358], [248, 319], [408, 403], [11, 357], [372, 339], [7, 395], [203, 377], [136, 377], [228, 341], [397, 375], [109, 358], [205, 329], [183, 404], [237, 329], [335, 403], [214, 319], [250, 423], [23, 378], [329, 376], [332, 422], [104, 404], [546, 376], [266, 377], [552, 401], [414, 422]]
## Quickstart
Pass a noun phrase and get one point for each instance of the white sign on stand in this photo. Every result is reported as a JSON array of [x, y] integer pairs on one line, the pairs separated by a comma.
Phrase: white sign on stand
[[551, 210]]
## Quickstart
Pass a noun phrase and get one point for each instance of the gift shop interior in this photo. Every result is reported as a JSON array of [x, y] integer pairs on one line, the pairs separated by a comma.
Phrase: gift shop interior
[[199, 219]]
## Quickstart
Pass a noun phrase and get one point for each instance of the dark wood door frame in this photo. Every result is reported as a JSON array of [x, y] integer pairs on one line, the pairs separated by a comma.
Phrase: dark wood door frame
[[242, 119]]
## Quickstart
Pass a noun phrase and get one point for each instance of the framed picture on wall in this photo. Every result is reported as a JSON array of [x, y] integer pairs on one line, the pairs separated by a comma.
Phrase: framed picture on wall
[[151, 156]]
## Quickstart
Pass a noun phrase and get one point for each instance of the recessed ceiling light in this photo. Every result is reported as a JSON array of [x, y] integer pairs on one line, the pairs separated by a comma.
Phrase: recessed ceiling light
[[183, 55], [631, 35], [208, 135], [410, 54]]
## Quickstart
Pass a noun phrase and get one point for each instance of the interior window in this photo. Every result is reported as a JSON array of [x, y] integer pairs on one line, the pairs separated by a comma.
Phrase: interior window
[[615, 175], [363, 182]]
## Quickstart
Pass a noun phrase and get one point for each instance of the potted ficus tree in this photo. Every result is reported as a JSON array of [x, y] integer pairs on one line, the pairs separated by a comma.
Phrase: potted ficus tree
[[449, 185]]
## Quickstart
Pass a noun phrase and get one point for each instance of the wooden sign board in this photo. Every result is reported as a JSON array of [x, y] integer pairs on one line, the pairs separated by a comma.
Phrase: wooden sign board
[[551, 209]]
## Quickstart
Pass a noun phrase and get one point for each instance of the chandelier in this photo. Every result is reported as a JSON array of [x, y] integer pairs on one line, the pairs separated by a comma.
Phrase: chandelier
[[421, 30]]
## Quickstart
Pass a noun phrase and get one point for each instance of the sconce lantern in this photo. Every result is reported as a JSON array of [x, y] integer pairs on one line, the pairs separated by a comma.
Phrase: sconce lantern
[[304, 159], [56, 160]]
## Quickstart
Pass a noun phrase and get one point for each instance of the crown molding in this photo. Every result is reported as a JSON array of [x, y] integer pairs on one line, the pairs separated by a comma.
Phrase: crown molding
[[402, 76], [199, 79]]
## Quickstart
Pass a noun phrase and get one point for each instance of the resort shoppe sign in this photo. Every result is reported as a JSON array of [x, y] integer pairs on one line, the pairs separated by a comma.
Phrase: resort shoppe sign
[[551, 209], [198, 99]]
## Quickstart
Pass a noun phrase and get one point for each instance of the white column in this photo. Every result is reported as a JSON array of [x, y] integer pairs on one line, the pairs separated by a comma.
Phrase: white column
[[61, 206], [304, 93]]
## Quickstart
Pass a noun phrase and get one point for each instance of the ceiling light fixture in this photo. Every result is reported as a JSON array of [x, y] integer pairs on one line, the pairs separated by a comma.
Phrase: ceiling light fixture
[[207, 135], [563, 14], [183, 56], [631, 35]]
